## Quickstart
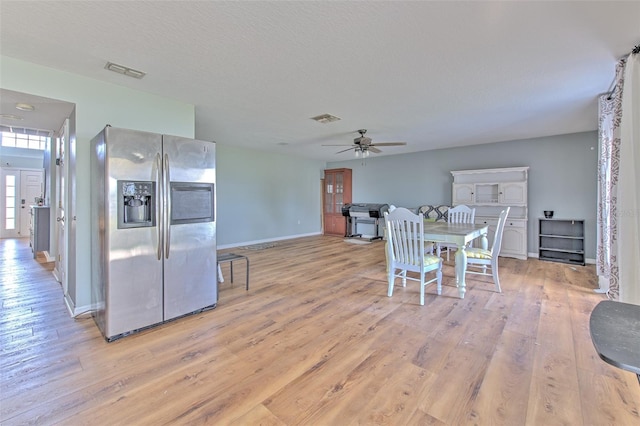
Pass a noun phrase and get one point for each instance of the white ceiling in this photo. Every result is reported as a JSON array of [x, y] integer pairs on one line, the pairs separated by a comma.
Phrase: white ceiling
[[433, 74]]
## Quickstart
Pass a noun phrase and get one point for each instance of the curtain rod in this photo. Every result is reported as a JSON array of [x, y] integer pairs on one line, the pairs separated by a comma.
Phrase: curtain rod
[[634, 51]]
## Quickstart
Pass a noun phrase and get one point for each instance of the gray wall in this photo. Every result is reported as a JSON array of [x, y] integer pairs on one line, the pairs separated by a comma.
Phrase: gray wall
[[562, 177], [263, 196]]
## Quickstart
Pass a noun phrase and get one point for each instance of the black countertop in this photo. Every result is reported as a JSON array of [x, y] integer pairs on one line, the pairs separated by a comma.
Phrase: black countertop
[[615, 332]]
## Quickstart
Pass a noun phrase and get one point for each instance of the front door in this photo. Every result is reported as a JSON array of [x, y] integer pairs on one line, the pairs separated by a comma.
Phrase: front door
[[30, 189], [18, 190]]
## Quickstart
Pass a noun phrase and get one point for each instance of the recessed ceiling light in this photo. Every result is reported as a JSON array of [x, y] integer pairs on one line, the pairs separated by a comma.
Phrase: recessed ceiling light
[[25, 107], [325, 118], [121, 69], [11, 117]]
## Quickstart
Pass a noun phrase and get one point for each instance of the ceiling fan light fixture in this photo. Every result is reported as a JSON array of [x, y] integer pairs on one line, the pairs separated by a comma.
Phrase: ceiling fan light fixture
[[362, 151]]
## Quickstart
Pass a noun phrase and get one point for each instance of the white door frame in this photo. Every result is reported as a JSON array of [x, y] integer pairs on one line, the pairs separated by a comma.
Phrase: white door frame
[[16, 172], [59, 205]]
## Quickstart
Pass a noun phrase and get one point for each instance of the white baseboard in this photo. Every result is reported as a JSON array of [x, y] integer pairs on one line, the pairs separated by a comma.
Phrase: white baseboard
[[56, 274], [587, 260], [73, 310], [69, 304], [49, 257], [268, 240]]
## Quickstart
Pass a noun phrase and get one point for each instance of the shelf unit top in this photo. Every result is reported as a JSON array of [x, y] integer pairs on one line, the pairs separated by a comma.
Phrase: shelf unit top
[[500, 170], [490, 176]]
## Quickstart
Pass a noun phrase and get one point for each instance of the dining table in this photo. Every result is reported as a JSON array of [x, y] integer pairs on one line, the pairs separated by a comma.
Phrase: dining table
[[460, 234]]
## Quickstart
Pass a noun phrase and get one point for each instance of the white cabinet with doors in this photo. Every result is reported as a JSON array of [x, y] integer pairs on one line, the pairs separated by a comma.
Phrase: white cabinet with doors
[[489, 191]]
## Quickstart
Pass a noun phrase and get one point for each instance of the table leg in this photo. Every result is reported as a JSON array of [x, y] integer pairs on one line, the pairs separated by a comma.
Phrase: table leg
[[484, 242], [461, 269]]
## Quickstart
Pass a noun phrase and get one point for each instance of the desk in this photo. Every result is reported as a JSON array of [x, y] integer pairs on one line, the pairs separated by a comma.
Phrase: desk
[[459, 234], [615, 332]]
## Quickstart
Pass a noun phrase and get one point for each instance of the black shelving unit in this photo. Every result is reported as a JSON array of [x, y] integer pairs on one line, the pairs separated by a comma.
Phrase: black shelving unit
[[561, 240]]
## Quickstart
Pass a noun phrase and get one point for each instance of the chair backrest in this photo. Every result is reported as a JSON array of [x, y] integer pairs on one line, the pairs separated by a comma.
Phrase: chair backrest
[[405, 238], [461, 214], [497, 237]]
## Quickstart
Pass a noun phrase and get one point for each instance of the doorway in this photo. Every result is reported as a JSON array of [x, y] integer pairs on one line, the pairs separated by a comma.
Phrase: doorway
[[56, 118], [19, 190]]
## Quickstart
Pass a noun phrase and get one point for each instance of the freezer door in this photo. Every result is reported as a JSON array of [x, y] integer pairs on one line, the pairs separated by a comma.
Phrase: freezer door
[[133, 286], [190, 243]]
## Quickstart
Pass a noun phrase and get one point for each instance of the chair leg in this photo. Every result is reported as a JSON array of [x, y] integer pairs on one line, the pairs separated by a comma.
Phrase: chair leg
[[496, 279], [390, 279], [422, 288], [439, 282], [404, 278]]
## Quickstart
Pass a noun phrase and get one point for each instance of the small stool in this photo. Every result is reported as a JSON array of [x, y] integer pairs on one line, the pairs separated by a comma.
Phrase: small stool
[[230, 257]]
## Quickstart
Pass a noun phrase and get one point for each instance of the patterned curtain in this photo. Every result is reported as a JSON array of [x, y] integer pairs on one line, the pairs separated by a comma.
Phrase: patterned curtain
[[610, 114]]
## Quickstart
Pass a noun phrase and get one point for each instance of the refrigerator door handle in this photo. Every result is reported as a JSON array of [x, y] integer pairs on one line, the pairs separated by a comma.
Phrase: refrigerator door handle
[[167, 214], [159, 215]]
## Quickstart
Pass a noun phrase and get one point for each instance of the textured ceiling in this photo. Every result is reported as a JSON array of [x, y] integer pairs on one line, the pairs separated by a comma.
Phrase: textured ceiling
[[433, 74]]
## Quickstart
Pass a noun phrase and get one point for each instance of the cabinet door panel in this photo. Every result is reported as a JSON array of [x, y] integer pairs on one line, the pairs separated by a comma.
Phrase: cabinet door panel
[[513, 193], [462, 194], [513, 240]]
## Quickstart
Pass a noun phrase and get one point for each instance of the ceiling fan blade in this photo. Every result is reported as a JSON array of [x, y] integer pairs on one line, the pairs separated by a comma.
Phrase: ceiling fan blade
[[341, 144], [344, 150], [374, 149], [388, 144]]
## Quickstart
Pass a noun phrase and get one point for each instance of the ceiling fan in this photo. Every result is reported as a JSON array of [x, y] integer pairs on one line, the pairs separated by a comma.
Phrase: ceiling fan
[[362, 145]]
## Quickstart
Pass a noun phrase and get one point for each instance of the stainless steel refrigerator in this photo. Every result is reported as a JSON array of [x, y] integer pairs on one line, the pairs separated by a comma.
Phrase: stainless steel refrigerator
[[153, 229]]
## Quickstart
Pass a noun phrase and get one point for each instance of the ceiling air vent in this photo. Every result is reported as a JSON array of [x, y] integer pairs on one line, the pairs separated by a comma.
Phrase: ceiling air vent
[[121, 69], [325, 118]]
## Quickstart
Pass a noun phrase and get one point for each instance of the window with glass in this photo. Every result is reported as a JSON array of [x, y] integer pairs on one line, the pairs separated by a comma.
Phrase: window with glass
[[22, 140], [10, 202]]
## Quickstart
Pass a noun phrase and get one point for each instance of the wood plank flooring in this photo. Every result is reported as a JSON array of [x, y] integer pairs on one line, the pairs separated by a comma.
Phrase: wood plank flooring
[[316, 341]]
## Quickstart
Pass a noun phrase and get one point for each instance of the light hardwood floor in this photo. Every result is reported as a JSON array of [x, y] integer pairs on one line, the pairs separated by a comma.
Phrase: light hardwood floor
[[317, 341]]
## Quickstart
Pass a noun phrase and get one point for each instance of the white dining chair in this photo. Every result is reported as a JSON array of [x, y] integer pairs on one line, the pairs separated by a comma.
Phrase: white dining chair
[[457, 214], [406, 251], [485, 262]]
